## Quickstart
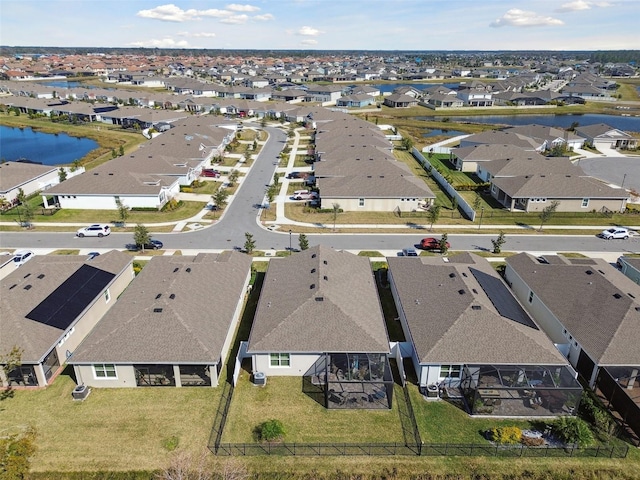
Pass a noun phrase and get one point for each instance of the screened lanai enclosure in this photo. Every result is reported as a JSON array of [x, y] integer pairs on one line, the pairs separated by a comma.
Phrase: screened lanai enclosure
[[350, 380], [528, 391]]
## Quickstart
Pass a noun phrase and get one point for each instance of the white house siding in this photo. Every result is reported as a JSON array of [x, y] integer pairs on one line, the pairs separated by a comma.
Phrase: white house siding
[[300, 363], [575, 205], [126, 377], [107, 202], [41, 182], [467, 166], [232, 330], [373, 204], [545, 319]]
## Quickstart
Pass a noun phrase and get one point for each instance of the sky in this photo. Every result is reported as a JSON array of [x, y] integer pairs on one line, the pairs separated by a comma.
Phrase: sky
[[324, 24]]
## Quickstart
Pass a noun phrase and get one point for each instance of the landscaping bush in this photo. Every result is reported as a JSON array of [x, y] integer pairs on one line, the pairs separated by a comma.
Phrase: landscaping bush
[[271, 431], [572, 430], [506, 435]]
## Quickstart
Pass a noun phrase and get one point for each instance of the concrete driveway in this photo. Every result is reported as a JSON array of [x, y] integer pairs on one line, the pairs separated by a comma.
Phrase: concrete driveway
[[619, 171]]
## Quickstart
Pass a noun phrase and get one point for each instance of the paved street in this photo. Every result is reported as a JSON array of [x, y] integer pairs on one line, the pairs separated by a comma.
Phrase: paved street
[[242, 215]]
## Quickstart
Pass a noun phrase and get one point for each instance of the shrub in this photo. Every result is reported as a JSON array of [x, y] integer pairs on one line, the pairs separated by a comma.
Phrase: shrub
[[271, 430], [506, 435], [572, 430]]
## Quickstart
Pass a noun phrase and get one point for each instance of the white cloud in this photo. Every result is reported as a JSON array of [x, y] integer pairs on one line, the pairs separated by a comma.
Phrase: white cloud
[[161, 43], [235, 19], [309, 31], [521, 18], [203, 34], [309, 42], [242, 8], [172, 13], [265, 17], [578, 5]]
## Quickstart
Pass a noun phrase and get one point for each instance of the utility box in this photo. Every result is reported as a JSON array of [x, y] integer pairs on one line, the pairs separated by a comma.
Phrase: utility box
[[260, 379], [80, 392]]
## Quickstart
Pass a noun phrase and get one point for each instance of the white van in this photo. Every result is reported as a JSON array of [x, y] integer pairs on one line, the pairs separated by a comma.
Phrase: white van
[[300, 192]]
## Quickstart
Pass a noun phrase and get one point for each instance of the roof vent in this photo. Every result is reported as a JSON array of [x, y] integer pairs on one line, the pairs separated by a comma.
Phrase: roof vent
[[27, 275], [157, 310], [313, 255], [176, 269], [158, 296], [589, 272], [312, 286], [617, 295], [41, 276], [313, 270], [474, 291], [452, 275], [319, 299], [461, 291], [13, 286], [476, 307], [464, 274], [27, 287], [172, 296], [188, 270], [325, 262], [327, 278]]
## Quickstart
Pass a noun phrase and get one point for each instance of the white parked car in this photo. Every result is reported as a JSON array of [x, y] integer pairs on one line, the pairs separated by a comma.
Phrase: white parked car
[[21, 257], [615, 232], [96, 230]]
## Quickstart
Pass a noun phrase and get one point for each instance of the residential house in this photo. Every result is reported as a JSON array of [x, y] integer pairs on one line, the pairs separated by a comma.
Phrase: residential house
[[474, 157], [591, 312], [400, 100], [549, 137], [499, 137], [50, 303], [574, 193], [152, 175], [173, 326], [469, 338], [26, 177], [356, 100], [603, 136], [319, 318], [526, 163]]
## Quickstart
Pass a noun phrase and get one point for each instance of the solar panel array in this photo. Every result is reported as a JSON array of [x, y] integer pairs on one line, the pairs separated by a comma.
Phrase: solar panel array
[[69, 300]]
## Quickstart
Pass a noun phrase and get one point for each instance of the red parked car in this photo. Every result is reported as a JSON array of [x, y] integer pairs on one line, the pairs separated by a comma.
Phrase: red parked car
[[208, 172], [431, 243]]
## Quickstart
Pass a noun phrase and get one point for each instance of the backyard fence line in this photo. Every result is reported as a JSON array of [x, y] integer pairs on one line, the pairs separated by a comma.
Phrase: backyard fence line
[[220, 418], [397, 449], [468, 211]]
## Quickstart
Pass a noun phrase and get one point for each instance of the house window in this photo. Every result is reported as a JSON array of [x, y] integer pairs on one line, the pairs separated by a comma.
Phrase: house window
[[361, 202], [530, 297], [585, 203], [450, 371], [105, 370], [279, 360], [107, 296]]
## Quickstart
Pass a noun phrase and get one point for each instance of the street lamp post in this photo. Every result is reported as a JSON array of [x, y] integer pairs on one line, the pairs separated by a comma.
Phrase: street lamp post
[[289, 242], [624, 177], [481, 215]]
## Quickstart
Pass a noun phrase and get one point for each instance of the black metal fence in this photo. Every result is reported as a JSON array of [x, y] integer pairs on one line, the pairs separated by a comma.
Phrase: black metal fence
[[220, 418], [394, 449]]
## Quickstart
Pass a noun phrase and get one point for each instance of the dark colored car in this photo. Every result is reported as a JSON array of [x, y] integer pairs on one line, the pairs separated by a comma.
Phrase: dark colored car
[[152, 245], [208, 172], [431, 243], [409, 252], [298, 175]]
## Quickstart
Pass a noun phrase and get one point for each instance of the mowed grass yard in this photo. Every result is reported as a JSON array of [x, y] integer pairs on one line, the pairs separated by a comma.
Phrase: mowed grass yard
[[114, 428], [305, 421]]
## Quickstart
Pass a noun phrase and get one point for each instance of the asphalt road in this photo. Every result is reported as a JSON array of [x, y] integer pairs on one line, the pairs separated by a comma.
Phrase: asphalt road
[[624, 171], [242, 216]]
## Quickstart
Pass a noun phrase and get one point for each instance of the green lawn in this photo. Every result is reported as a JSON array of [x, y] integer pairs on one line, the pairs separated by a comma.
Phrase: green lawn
[[304, 420], [67, 215], [113, 429]]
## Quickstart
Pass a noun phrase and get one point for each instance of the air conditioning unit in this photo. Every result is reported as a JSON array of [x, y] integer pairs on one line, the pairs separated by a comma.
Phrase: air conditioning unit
[[80, 392], [260, 379]]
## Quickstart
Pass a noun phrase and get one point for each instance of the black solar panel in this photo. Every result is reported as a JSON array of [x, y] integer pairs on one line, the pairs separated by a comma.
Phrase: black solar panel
[[502, 299], [67, 301]]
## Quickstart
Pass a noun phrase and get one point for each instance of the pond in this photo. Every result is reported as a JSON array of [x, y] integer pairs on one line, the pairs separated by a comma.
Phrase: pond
[[44, 148], [66, 84], [560, 121], [436, 132]]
